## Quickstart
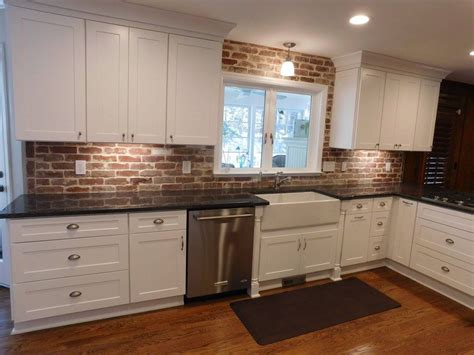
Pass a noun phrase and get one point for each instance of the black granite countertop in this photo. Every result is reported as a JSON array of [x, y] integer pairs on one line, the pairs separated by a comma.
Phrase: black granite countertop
[[86, 203]]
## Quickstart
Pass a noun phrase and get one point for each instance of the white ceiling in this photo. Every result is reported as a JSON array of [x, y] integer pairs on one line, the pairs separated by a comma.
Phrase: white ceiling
[[434, 32]]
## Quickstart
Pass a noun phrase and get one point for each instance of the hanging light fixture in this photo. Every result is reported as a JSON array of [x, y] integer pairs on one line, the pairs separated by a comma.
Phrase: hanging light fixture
[[288, 68]]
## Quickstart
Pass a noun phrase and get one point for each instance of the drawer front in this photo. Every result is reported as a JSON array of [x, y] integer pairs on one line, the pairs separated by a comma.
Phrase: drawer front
[[379, 224], [41, 299], [52, 228], [62, 258], [447, 240], [443, 268], [446, 216], [382, 204], [157, 221], [358, 206], [377, 248]]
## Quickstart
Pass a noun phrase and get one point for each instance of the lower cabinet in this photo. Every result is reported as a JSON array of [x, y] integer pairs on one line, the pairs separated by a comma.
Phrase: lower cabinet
[[290, 253], [157, 265], [356, 239], [401, 233]]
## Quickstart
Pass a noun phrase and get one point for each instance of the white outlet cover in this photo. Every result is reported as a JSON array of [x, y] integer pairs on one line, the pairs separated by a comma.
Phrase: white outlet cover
[[329, 166], [186, 167], [80, 167], [344, 166], [388, 167]]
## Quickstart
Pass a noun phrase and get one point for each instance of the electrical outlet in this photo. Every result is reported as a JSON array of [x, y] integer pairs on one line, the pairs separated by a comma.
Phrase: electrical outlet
[[344, 166], [186, 167], [80, 167], [388, 167]]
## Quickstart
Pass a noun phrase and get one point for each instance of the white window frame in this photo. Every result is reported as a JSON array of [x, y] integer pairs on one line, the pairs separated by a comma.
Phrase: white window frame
[[318, 94]]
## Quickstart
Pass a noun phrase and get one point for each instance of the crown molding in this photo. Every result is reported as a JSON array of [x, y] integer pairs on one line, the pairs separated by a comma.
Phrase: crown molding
[[379, 61]]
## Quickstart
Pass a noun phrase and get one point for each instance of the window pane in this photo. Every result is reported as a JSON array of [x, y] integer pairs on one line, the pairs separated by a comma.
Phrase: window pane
[[242, 127], [293, 115]]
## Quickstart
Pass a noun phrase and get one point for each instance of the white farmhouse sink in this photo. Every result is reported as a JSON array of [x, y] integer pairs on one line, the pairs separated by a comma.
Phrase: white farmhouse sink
[[299, 209]]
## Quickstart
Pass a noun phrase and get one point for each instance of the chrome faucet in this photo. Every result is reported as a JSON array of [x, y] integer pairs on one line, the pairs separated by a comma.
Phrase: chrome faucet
[[279, 180]]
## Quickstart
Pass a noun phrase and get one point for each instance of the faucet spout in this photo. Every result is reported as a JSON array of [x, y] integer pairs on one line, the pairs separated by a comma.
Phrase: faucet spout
[[279, 180]]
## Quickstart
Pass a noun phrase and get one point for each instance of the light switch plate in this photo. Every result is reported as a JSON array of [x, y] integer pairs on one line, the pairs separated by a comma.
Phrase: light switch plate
[[80, 167], [186, 167], [388, 167], [329, 166]]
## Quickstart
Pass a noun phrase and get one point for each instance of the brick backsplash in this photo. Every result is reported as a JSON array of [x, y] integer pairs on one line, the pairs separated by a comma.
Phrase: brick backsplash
[[135, 167]]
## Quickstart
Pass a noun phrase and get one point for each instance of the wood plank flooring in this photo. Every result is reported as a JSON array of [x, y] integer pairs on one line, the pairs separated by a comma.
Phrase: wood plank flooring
[[427, 323]]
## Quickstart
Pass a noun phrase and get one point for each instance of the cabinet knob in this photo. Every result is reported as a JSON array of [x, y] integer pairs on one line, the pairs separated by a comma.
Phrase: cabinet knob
[[377, 145], [72, 226], [171, 137], [123, 136], [79, 134], [359, 205], [380, 223], [132, 136], [75, 294], [158, 221], [377, 247], [382, 204], [73, 257], [449, 241], [445, 268]]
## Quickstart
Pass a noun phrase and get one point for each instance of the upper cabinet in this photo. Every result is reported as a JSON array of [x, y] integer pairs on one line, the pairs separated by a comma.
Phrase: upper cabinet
[[48, 75], [143, 86], [384, 103], [193, 103]]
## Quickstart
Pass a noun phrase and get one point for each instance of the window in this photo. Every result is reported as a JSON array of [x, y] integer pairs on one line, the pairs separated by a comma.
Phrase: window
[[270, 125]]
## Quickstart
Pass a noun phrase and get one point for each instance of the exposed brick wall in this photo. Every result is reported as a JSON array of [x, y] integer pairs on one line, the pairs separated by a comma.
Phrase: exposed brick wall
[[133, 167]]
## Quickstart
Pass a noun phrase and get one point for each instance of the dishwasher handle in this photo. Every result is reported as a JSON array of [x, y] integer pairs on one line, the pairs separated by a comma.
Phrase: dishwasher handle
[[210, 218]]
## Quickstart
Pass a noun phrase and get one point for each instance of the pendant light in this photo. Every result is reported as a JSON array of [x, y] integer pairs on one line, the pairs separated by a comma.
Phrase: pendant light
[[288, 68]]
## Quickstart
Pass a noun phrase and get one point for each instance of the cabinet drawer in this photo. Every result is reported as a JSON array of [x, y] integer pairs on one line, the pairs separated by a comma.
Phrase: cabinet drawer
[[379, 223], [446, 216], [52, 228], [157, 221], [450, 271], [451, 241], [382, 204], [62, 258], [41, 299], [377, 248], [358, 206]]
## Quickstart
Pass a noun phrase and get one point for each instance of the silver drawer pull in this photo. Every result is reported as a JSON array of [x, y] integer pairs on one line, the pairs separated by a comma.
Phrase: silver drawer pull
[[359, 217], [408, 203], [74, 257], [75, 294], [221, 283], [359, 205], [158, 221], [382, 204], [223, 217], [445, 268], [380, 223], [377, 247], [72, 227], [449, 241]]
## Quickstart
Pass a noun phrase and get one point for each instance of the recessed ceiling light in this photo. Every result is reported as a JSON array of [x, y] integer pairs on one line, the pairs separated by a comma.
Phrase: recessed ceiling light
[[359, 20], [471, 53]]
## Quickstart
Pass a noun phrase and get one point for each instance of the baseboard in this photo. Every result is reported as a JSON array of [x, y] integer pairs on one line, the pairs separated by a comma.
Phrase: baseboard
[[87, 316], [362, 267]]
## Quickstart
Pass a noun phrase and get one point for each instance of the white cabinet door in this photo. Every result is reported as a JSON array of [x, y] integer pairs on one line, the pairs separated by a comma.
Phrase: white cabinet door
[[48, 74], [399, 112], [194, 80], [280, 256], [319, 250], [356, 239], [369, 114], [148, 85], [157, 265], [402, 230], [107, 82], [426, 118]]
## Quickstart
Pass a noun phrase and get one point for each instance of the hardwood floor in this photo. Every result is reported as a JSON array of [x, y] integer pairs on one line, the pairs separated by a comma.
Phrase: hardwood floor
[[426, 323]]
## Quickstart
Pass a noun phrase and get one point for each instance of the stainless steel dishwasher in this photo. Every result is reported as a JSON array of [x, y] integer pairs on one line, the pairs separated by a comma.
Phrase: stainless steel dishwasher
[[220, 246]]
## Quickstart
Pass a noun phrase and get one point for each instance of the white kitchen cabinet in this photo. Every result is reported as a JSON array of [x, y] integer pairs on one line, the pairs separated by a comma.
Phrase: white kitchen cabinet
[[357, 115], [48, 75], [107, 82], [280, 256], [147, 86], [157, 265], [402, 230], [193, 90], [426, 117], [400, 110], [318, 250], [356, 239]]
